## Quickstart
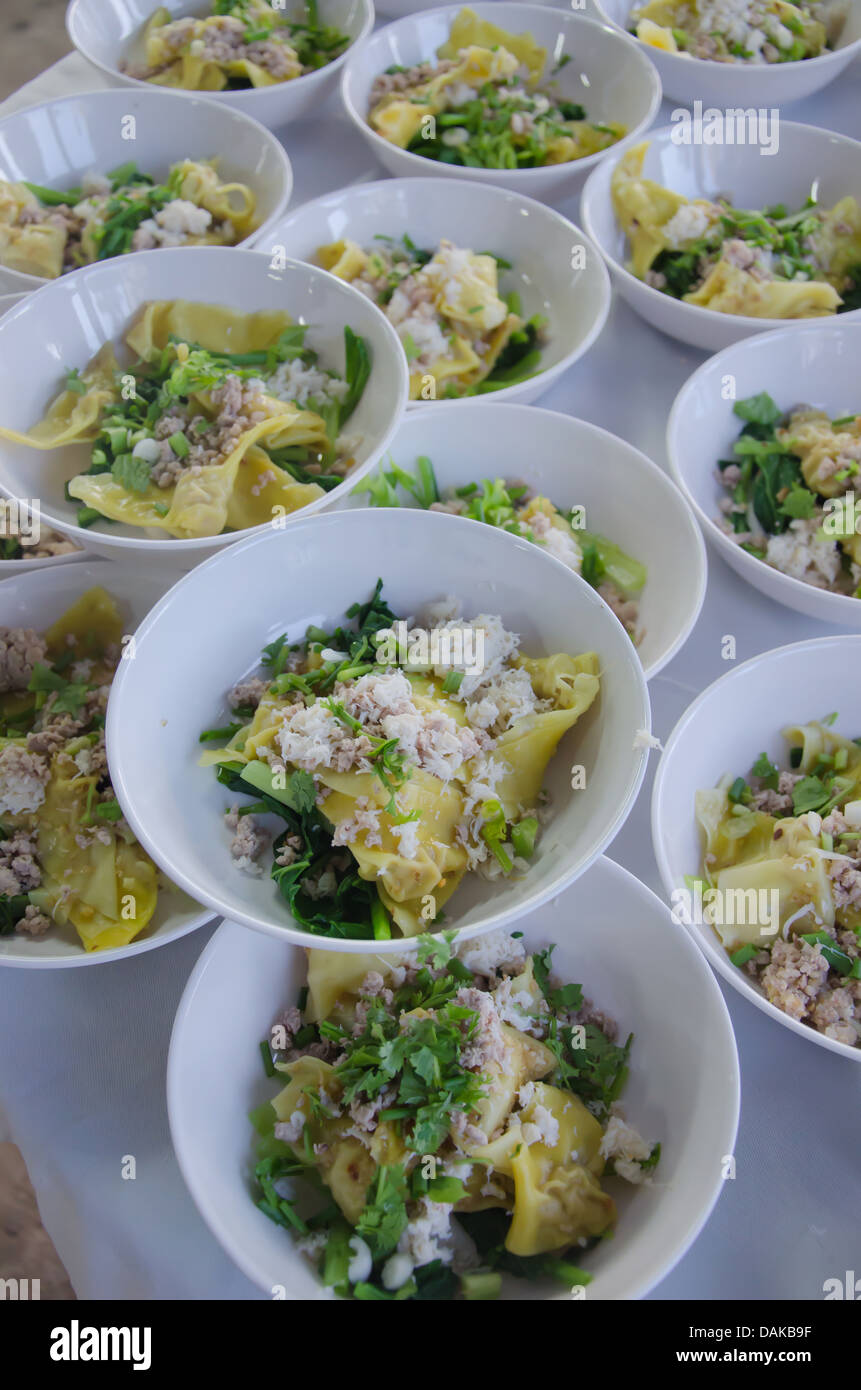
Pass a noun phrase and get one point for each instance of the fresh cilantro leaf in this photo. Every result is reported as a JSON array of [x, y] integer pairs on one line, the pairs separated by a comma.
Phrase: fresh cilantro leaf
[[799, 503], [810, 794], [70, 696], [765, 769], [383, 1218], [131, 472], [76, 383], [566, 997], [759, 409]]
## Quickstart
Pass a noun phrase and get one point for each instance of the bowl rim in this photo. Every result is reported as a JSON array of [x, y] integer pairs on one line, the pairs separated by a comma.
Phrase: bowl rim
[[538, 177], [747, 324], [99, 571], [655, 473], [308, 78], [285, 929], [672, 59], [671, 1254], [713, 951], [441, 186], [28, 282], [206, 544], [23, 565], [845, 607]]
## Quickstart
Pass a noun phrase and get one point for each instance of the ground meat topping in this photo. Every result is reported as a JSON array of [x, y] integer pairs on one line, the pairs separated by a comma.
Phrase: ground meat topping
[[388, 82], [249, 840], [845, 886], [33, 923], [779, 802], [249, 692], [488, 1044], [19, 869], [794, 977], [20, 650]]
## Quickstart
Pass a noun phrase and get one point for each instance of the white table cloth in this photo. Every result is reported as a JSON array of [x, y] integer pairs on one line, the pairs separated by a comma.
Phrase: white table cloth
[[84, 1051]]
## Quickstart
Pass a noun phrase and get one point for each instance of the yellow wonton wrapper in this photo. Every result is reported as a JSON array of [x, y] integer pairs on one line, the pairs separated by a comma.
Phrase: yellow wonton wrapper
[[107, 891], [398, 118], [468, 304], [192, 73], [74, 418], [644, 208], [468, 30], [730, 290], [414, 889], [755, 854], [34, 249], [244, 489]]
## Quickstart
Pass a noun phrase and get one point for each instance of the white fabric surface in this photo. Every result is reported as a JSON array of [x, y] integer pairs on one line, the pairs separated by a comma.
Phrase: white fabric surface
[[84, 1051]]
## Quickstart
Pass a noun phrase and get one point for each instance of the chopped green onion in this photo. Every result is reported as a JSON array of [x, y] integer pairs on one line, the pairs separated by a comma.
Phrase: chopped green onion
[[179, 444], [266, 1054], [743, 954]]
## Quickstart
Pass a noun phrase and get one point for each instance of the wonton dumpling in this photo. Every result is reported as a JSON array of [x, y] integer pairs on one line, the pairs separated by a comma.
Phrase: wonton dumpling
[[816, 740], [73, 418], [107, 891], [201, 185], [34, 250], [334, 977], [528, 746], [403, 882], [464, 365], [558, 1199], [15, 198], [213, 326], [345, 258], [817, 444], [837, 242], [643, 208], [798, 880], [90, 628], [201, 501], [656, 35], [731, 290], [399, 118], [468, 30], [731, 839], [466, 288]]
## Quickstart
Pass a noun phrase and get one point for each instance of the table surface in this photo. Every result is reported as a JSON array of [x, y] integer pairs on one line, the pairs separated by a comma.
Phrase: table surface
[[82, 1084]]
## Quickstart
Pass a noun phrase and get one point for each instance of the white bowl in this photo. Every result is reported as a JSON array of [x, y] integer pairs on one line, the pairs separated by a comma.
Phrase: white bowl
[[725, 730], [323, 566], [36, 599], [816, 366], [805, 154], [615, 937], [106, 35], [8, 301], [400, 9], [610, 74], [64, 324], [539, 243], [626, 497], [737, 84], [56, 143], [8, 568]]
